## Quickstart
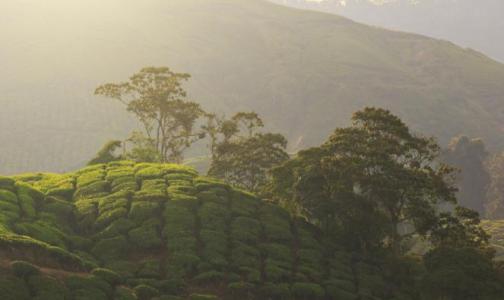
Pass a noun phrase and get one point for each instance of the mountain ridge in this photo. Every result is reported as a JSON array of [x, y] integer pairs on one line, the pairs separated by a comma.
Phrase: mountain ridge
[[304, 72]]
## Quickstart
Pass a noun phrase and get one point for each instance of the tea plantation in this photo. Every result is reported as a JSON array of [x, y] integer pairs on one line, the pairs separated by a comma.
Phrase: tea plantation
[[151, 231]]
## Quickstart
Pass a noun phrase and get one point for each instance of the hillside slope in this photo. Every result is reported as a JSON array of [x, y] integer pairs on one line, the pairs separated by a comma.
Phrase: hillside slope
[[305, 72], [162, 230]]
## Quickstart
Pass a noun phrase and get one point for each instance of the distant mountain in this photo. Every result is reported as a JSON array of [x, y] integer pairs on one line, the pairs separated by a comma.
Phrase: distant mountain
[[475, 24], [305, 72]]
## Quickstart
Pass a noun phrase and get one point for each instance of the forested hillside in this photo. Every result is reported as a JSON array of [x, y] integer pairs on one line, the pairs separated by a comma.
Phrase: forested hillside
[[304, 72]]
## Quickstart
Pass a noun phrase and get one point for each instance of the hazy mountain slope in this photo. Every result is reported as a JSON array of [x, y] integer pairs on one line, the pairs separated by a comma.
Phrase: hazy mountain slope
[[306, 72], [475, 24], [163, 230]]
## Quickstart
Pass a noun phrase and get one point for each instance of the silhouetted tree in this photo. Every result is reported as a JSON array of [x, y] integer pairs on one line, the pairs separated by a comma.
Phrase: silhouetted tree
[[469, 155], [370, 178], [156, 97], [107, 153]]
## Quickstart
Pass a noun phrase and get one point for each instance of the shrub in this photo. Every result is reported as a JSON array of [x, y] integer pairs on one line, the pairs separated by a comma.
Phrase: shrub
[[89, 294], [93, 189], [244, 207], [23, 269], [183, 264], [276, 291], [145, 237], [302, 290], [8, 196], [27, 205], [118, 227], [114, 200], [145, 292], [88, 286], [122, 293], [240, 289], [143, 210], [13, 288], [334, 286], [243, 255], [150, 172], [112, 248], [150, 269], [210, 277], [181, 190], [277, 229], [314, 272], [179, 177], [108, 275], [245, 229], [61, 209], [46, 288], [10, 207], [276, 273], [42, 231], [125, 269], [168, 297], [109, 216], [90, 177], [278, 252], [181, 243], [7, 183], [214, 216], [203, 297], [251, 275]]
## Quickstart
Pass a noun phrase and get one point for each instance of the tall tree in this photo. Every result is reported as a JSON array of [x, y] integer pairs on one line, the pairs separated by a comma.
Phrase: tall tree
[[156, 97], [460, 266], [244, 158], [495, 193], [375, 170], [469, 155]]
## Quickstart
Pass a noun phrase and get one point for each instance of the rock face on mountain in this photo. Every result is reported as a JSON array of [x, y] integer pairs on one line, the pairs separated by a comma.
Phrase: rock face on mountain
[[152, 231], [304, 72]]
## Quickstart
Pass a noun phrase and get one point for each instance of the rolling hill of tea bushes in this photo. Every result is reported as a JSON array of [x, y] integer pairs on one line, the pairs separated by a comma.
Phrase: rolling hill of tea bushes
[[152, 231]]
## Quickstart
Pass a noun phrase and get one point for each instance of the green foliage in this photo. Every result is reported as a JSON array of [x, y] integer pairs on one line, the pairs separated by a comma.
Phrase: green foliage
[[108, 275], [106, 153], [111, 248], [47, 288], [23, 269], [203, 297], [13, 288], [302, 290], [495, 190], [161, 108], [150, 269], [245, 161], [7, 183], [143, 210], [145, 292], [366, 180], [469, 155], [276, 291], [88, 288], [122, 293], [460, 273], [210, 277]]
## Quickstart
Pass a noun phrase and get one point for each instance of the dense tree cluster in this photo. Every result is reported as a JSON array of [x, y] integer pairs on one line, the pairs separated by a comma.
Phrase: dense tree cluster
[[374, 187]]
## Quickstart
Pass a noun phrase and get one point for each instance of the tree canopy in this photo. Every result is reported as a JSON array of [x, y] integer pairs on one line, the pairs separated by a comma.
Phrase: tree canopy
[[373, 172]]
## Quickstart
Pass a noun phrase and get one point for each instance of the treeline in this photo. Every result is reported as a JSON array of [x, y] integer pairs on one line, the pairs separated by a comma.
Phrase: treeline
[[479, 176], [374, 187]]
